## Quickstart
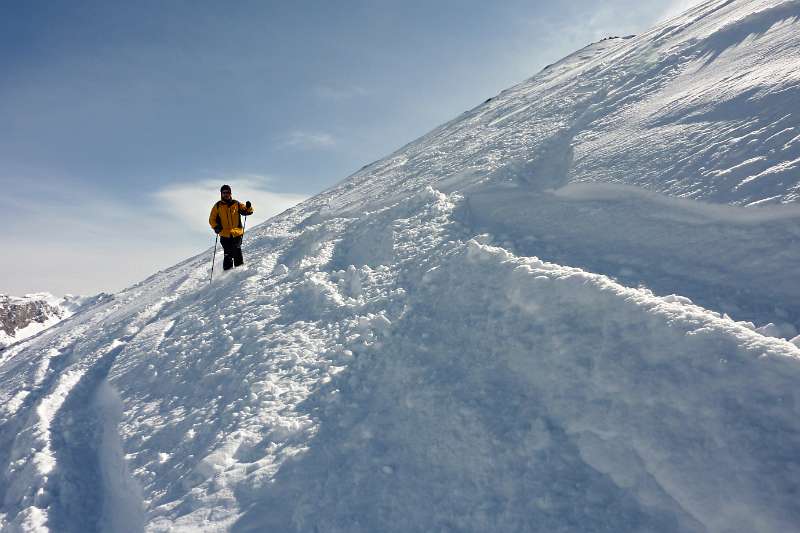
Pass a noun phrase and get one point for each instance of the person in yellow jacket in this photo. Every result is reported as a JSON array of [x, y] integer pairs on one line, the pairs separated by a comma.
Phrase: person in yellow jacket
[[226, 221]]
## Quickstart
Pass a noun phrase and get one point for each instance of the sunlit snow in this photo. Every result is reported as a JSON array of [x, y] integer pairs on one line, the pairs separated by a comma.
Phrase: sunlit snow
[[572, 308]]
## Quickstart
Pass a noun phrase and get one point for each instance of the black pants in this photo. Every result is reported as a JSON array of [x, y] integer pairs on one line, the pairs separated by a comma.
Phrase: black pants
[[233, 252]]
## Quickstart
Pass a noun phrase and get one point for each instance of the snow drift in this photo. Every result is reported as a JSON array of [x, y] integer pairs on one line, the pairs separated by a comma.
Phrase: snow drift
[[561, 311]]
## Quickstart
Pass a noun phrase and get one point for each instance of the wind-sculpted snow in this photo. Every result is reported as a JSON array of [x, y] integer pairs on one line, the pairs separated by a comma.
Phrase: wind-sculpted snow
[[732, 259], [473, 334], [543, 398], [700, 107]]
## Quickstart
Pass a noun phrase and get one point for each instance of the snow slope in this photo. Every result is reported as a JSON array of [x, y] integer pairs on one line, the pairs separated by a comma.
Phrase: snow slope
[[492, 329]]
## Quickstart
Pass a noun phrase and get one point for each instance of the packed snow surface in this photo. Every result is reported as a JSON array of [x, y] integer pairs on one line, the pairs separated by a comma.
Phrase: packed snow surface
[[570, 309]]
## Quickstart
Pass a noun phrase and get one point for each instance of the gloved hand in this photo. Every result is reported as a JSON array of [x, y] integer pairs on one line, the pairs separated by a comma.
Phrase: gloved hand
[[217, 229], [247, 204]]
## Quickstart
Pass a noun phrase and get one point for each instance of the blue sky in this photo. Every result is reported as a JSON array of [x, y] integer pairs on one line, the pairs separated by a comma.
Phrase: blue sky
[[121, 119]]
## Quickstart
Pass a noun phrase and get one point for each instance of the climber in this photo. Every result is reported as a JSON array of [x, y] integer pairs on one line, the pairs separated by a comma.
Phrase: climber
[[226, 221]]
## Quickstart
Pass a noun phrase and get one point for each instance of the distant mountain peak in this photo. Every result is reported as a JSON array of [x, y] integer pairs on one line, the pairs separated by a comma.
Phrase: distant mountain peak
[[24, 316], [21, 317]]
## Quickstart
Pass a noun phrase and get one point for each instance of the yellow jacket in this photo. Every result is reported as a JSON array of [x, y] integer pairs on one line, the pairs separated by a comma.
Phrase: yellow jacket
[[226, 218]]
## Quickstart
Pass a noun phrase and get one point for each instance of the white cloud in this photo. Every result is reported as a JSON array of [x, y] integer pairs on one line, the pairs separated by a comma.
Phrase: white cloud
[[308, 140]]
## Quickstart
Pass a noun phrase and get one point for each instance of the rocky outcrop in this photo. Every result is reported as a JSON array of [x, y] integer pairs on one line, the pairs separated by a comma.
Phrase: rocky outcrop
[[17, 313], [25, 316]]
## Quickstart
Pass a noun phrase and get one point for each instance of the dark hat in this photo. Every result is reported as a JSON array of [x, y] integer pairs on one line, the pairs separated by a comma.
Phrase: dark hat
[[225, 188]]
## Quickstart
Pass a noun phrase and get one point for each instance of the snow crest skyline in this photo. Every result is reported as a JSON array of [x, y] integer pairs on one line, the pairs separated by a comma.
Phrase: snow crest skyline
[[111, 108]]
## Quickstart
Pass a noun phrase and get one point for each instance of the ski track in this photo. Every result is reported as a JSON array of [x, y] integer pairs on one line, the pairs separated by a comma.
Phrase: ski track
[[57, 419]]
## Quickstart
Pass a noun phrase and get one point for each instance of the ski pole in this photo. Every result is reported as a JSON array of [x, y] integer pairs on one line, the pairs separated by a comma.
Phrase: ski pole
[[243, 226], [213, 258]]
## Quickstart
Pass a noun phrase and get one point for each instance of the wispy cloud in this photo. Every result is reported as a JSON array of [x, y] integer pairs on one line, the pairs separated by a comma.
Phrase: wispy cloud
[[308, 140]]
